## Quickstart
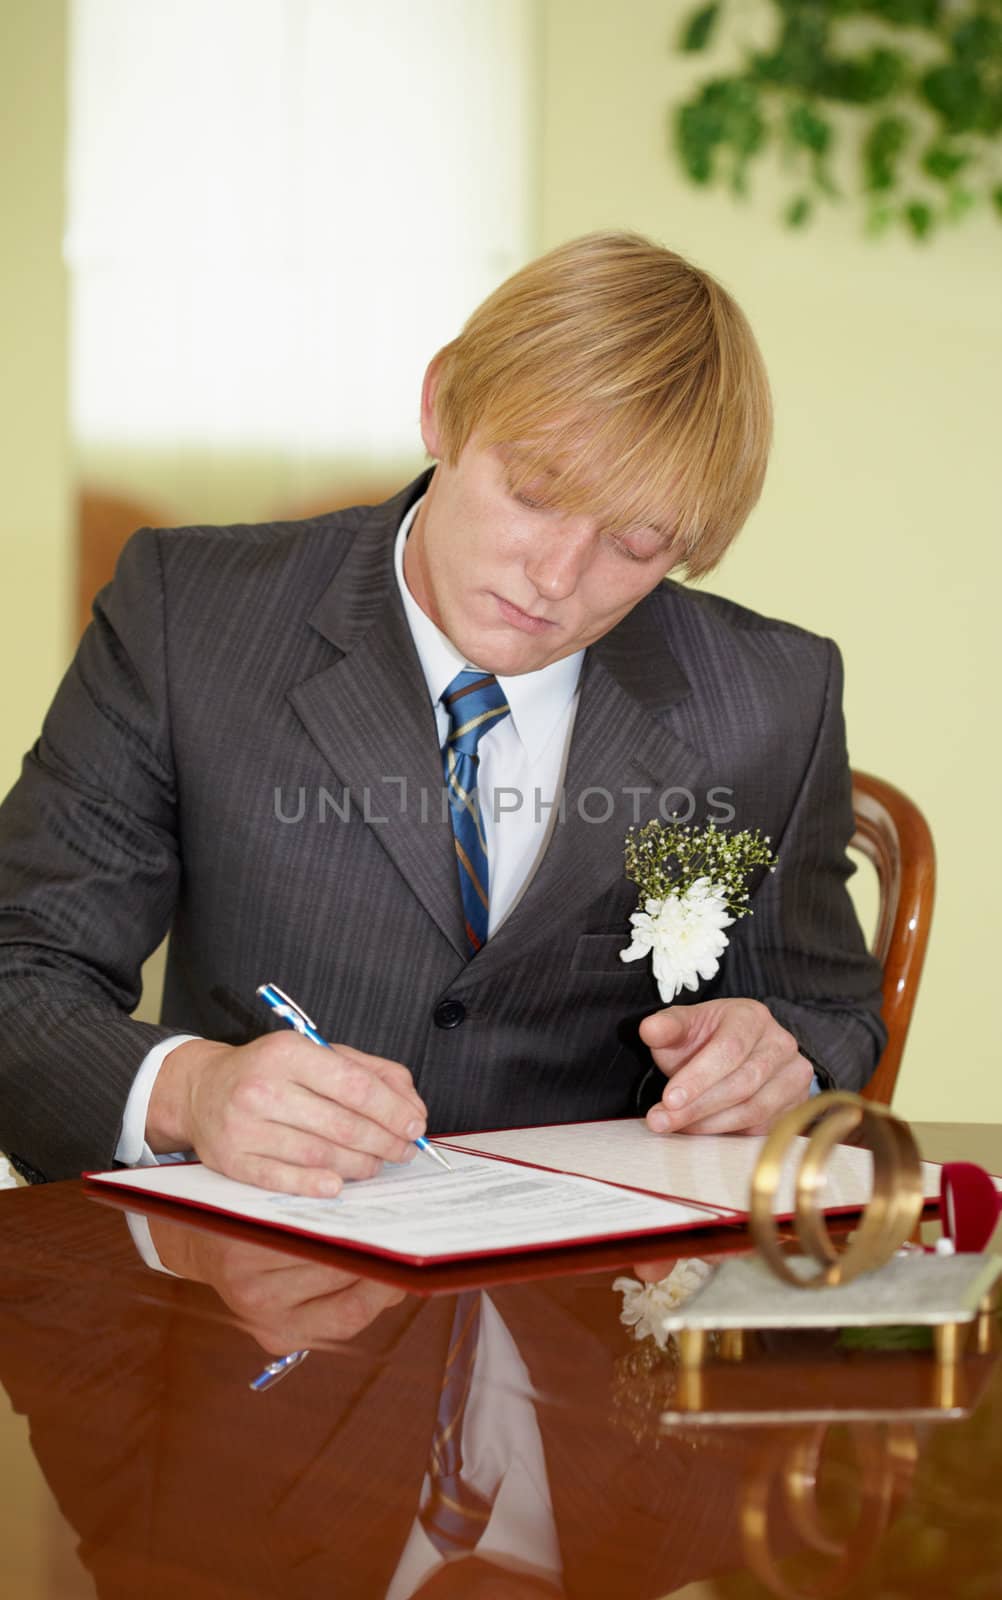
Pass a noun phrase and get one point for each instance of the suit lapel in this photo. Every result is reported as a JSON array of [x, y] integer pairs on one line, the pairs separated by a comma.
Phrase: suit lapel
[[370, 716], [622, 741]]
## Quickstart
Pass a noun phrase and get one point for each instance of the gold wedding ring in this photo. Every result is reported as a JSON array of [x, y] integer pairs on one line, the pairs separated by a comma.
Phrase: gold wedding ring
[[886, 1222], [790, 1470]]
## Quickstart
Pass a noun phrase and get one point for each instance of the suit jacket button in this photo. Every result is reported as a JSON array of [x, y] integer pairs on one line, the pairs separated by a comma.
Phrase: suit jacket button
[[449, 1013]]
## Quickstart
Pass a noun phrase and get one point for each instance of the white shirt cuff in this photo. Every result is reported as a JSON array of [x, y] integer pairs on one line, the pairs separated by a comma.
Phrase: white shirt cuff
[[132, 1149], [143, 1240]]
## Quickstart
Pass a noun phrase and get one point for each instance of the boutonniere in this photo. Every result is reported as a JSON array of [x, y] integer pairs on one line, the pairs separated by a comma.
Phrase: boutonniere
[[645, 1375], [645, 1305], [693, 884]]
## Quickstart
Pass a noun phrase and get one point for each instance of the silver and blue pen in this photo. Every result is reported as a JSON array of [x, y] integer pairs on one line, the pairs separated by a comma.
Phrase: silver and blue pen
[[296, 1017]]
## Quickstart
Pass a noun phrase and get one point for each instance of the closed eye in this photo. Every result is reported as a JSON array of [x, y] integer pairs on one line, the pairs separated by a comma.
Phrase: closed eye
[[534, 501], [624, 550], [657, 551]]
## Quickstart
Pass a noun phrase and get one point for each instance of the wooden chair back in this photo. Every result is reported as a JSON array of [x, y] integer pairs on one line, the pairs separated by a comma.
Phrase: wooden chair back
[[893, 835]]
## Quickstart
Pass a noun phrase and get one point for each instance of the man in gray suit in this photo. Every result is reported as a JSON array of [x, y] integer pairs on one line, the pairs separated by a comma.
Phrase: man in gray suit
[[248, 751]]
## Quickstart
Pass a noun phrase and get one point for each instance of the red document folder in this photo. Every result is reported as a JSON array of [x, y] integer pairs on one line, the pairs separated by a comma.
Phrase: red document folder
[[516, 1190]]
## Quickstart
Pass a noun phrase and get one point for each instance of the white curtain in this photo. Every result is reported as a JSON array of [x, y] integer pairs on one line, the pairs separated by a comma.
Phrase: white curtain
[[279, 210]]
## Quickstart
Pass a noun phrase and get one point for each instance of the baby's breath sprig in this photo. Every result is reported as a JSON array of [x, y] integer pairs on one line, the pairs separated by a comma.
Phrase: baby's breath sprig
[[665, 859]]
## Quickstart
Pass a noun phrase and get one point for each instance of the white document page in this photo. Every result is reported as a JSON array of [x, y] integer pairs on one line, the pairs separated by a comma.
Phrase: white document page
[[715, 1169], [420, 1212]]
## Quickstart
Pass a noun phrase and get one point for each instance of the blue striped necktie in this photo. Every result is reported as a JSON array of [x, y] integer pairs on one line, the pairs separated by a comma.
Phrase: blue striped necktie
[[475, 702], [456, 1514]]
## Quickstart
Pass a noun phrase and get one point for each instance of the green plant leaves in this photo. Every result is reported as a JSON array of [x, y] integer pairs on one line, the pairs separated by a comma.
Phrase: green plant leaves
[[925, 93], [725, 118], [886, 1338], [955, 93], [979, 37], [906, 13], [882, 149], [806, 128], [861, 80], [919, 217], [698, 30], [943, 163]]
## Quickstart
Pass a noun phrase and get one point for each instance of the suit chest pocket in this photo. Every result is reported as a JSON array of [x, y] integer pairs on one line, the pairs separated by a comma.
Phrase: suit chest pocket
[[598, 955]]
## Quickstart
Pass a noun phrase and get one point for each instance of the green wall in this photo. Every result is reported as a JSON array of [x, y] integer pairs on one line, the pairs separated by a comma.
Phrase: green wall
[[35, 547]]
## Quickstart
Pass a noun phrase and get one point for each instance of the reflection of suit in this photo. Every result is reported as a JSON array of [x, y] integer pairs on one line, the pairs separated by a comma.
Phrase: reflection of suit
[[235, 676], [178, 1480]]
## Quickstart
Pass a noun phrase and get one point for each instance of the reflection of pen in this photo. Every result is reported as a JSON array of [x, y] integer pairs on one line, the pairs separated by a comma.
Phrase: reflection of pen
[[275, 1370], [296, 1017]]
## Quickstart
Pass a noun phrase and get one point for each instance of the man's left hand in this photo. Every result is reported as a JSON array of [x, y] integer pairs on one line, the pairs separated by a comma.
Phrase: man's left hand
[[731, 1067]]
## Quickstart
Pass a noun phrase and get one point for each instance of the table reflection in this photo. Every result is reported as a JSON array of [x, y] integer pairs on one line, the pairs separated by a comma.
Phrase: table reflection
[[284, 1302], [508, 1440], [786, 1485]]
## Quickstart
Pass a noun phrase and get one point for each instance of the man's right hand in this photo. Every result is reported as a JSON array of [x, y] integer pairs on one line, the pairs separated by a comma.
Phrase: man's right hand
[[284, 1113], [284, 1303]]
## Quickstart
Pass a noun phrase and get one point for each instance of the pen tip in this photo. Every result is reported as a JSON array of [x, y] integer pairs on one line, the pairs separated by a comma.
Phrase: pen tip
[[424, 1145]]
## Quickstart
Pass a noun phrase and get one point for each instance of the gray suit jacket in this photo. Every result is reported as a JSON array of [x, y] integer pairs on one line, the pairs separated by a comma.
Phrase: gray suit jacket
[[243, 752]]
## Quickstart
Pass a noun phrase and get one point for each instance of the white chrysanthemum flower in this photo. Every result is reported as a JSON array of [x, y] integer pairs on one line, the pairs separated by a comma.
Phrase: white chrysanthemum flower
[[685, 936], [645, 1305]]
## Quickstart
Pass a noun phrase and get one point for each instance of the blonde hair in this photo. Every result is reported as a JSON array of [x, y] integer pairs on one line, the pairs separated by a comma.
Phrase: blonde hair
[[626, 375]]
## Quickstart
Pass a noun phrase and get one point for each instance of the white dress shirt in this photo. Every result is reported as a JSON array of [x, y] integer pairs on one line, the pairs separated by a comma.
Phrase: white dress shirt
[[522, 757], [502, 1453], [521, 770]]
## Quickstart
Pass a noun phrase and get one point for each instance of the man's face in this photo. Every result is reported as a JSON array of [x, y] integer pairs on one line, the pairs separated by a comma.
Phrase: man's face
[[513, 582]]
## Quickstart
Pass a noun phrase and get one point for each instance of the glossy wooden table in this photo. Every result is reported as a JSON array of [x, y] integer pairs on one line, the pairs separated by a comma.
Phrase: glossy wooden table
[[135, 1461]]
